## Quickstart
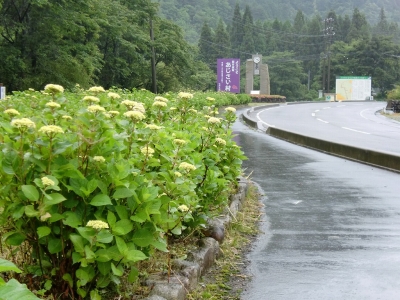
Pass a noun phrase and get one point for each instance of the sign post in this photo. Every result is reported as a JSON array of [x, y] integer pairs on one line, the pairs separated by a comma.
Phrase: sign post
[[2, 92], [228, 75]]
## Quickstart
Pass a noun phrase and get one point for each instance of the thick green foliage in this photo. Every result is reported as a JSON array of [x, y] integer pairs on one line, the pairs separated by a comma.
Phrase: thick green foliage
[[96, 181]]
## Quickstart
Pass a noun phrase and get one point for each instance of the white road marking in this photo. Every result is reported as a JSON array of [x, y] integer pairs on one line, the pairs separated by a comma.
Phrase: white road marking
[[313, 114], [341, 105], [326, 107], [297, 202], [323, 121], [317, 110], [258, 116], [355, 130]]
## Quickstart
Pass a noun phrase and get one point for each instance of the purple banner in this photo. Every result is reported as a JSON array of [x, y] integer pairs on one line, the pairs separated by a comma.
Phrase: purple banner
[[228, 75]]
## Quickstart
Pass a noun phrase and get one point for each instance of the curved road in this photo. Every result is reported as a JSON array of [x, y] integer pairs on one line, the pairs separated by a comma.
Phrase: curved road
[[332, 226], [350, 123]]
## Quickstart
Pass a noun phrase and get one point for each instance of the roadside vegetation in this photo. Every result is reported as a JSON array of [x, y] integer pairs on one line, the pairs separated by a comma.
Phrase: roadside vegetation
[[96, 182]]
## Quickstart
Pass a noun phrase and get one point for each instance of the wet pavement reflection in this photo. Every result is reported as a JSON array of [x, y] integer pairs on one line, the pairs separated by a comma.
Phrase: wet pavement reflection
[[331, 228]]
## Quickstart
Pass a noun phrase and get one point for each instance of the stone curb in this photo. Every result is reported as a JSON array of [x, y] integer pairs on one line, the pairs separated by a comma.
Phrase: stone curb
[[186, 273]]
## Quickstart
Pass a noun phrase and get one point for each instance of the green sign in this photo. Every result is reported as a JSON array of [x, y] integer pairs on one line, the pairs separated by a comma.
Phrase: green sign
[[353, 77]]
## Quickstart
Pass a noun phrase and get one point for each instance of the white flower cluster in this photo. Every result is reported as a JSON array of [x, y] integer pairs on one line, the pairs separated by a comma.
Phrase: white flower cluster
[[159, 104], [11, 112], [220, 141], [48, 129], [210, 99], [159, 98], [185, 96], [230, 109], [47, 181], [92, 99], [183, 208], [213, 120], [53, 104], [54, 88], [23, 123], [148, 151], [97, 224], [65, 117], [96, 89], [187, 167], [113, 95], [99, 159], [179, 142], [95, 108], [178, 174], [153, 127], [134, 115]]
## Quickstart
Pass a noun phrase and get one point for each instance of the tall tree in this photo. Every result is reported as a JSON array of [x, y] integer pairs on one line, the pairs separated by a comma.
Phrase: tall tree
[[222, 45], [359, 28], [206, 45], [236, 32], [248, 43]]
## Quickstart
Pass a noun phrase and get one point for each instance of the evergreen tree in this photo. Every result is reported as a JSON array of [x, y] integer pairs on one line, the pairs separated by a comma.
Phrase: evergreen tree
[[236, 32], [206, 45], [248, 44], [382, 27], [359, 28], [221, 42]]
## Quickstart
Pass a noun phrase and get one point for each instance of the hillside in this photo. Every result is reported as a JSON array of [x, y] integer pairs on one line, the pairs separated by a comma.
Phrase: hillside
[[191, 14]]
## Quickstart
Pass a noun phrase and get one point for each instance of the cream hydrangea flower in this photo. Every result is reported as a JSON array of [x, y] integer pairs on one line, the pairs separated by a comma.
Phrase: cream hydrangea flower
[[96, 108], [187, 167], [96, 89], [183, 208], [148, 151], [129, 103], [91, 99], [185, 96], [65, 117], [49, 129], [97, 224], [159, 98], [159, 104], [179, 142], [153, 127], [210, 99], [134, 115], [114, 112], [45, 217], [172, 108], [178, 174], [139, 107], [47, 181], [54, 88], [12, 112], [99, 159], [230, 109], [53, 104], [23, 123], [113, 95], [220, 141], [192, 110], [213, 120]]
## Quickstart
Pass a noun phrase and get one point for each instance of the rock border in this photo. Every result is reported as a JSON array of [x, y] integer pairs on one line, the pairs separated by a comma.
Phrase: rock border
[[186, 273]]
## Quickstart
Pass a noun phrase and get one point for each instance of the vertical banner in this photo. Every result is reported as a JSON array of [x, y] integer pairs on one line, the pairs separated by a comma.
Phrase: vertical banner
[[228, 75]]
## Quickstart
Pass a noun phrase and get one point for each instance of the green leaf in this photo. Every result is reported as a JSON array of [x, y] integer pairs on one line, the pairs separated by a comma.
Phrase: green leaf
[[122, 212], [31, 212], [122, 247], [15, 239], [87, 232], [94, 295], [143, 238], [6, 266], [68, 278], [54, 198], [122, 227], [72, 219], [104, 267], [160, 245], [117, 271], [111, 219], [43, 231], [104, 236], [100, 200], [135, 255], [133, 275], [13, 290], [30, 192], [79, 242], [122, 193], [103, 281], [89, 253], [55, 246]]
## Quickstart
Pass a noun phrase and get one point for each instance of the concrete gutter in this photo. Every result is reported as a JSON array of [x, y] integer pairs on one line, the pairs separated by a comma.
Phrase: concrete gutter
[[375, 158]]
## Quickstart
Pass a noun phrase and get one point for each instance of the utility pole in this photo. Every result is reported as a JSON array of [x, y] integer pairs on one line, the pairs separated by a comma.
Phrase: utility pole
[[153, 58], [328, 33]]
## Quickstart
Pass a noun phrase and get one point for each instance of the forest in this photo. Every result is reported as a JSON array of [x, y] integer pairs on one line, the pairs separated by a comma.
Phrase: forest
[[116, 43]]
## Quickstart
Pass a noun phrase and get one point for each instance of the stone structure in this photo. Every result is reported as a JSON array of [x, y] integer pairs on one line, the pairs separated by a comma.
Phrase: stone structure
[[255, 67]]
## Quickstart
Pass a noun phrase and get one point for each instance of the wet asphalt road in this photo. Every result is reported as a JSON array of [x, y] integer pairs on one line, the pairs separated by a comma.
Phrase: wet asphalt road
[[331, 226]]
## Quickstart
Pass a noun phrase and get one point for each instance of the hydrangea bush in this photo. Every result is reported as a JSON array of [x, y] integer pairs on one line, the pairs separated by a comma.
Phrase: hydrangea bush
[[94, 181]]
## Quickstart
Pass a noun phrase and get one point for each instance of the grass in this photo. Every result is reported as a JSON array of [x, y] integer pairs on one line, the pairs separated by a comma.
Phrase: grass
[[228, 277]]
